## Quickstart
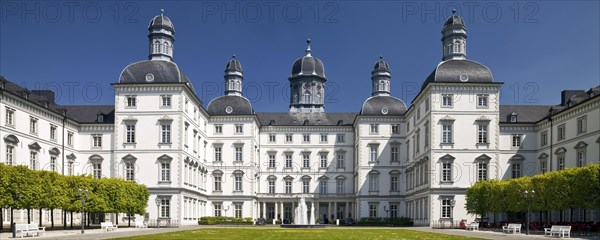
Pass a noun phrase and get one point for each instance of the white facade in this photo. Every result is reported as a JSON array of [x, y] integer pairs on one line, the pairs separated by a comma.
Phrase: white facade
[[256, 165]]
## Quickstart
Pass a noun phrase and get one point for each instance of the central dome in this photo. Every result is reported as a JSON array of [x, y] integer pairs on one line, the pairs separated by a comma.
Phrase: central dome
[[308, 65], [161, 21]]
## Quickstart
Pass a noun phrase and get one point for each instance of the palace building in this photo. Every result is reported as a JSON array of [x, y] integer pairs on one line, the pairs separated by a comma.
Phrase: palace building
[[225, 159]]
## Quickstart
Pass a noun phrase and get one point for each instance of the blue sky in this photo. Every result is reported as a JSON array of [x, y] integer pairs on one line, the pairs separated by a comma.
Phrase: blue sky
[[78, 48]]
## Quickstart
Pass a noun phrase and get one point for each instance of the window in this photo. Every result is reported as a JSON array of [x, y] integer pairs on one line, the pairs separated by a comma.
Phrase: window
[[340, 160], [446, 208], [130, 171], [417, 141], [482, 171], [165, 208], [323, 160], [394, 183], [217, 209], [70, 138], [96, 169], [271, 160], [166, 101], [288, 160], [185, 106], [10, 117], [394, 154], [165, 133], [131, 101], [305, 186], [447, 100], [581, 157], [581, 124], [239, 128], [426, 137], [130, 133], [513, 117], [323, 137], [561, 132], [426, 104], [288, 186], [341, 138], [373, 153], [447, 133], [373, 182], [218, 128], [323, 186], [10, 155], [32, 160], [340, 185], [516, 140], [393, 210], [516, 170], [288, 137], [218, 181], [33, 122], [305, 160], [53, 132], [374, 128], [543, 166], [237, 210], [482, 100], [544, 138], [271, 186], [447, 172], [218, 154], [482, 133], [561, 162], [372, 210], [395, 129], [237, 186], [306, 137], [238, 153], [97, 140], [418, 112], [165, 172], [271, 137]]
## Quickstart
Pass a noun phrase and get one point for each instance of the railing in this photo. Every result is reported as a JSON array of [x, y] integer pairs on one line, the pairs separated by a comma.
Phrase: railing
[[446, 223], [167, 223]]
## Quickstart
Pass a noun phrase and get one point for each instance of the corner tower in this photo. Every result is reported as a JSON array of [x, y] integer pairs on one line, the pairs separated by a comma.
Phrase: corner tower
[[161, 38], [307, 84]]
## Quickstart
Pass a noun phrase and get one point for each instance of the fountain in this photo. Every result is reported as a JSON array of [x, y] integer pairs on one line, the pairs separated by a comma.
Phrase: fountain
[[301, 220]]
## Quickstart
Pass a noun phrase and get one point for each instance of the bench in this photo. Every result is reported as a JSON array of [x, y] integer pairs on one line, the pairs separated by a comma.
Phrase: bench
[[512, 227], [27, 229], [473, 226], [108, 226], [559, 230], [140, 224]]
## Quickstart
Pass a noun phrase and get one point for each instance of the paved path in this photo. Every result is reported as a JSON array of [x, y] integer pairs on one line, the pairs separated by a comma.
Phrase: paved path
[[128, 232]]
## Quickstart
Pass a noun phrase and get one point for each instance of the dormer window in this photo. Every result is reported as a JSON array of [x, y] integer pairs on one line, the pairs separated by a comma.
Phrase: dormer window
[[513, 117], [100, 118], [26, 95]]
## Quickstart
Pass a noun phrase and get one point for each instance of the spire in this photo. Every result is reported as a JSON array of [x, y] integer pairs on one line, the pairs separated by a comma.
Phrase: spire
[[454, 12], [161, 37], [380, 78], [233, 77], [308, 51], [162, 12], [454, 38]]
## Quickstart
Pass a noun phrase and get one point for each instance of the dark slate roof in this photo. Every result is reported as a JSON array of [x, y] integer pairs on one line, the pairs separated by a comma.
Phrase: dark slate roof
[[233, 65], [308, 66], [381, 65], [383, 105], [43, 98], [89, 113], [458, 71], [161, 22], [525, 113], [454, 21], [162, 72], [237, 105], [310, 119]]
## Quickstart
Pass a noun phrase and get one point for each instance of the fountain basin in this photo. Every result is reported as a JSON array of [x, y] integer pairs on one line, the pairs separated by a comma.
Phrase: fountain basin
[[304, 225]]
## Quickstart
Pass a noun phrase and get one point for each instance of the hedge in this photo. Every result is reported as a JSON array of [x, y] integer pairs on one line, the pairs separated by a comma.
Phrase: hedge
[[224, 220]]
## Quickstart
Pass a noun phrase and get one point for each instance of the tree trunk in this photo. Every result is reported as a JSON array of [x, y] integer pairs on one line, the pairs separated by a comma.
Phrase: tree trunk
[[28, 216], [1, 217], [117, 218], [40, 217], [64, 213], [584, 214], [71, 219], [52, 217], [129, 220], [571, 215], [11, 217]]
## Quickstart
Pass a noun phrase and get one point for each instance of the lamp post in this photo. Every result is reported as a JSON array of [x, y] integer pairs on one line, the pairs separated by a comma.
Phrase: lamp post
[[157, 201], [452, 204], [387, 212], [528, 197], [226, 208], [83, 195]]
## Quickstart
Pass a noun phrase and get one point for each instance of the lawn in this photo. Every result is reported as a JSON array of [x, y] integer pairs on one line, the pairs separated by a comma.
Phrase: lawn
[[264, 233]]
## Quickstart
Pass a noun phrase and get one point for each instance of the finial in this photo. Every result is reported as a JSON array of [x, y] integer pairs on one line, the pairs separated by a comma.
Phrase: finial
[[233, 56], [162, 12], [380, 57], [308, 51], [454, 12]]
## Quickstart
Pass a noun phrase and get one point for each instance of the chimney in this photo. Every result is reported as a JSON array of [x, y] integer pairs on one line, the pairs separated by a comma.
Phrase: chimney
[[566, 94]]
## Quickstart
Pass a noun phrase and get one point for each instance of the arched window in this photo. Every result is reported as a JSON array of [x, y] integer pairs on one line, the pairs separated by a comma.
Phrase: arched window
[[156, 46], [457, 47], [307, 97], [231, 85], [238, 86], [166, 48], [381, 86]]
